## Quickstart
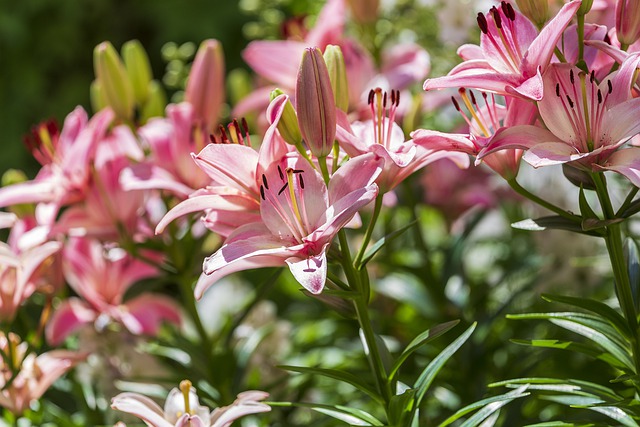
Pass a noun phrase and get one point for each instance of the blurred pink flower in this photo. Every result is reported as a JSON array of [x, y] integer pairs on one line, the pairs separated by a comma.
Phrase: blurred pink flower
[[35, 373], [182, 408], [512, 54], [19, 273], [101, 276]]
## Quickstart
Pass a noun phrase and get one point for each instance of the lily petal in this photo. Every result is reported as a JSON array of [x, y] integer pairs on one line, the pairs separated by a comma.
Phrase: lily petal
[[145, 314], [70, 316], [142, 407], [310, 272], [627, 163]]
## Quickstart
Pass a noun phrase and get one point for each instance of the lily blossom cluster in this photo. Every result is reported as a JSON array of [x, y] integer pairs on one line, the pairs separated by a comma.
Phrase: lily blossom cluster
[[584, 114]]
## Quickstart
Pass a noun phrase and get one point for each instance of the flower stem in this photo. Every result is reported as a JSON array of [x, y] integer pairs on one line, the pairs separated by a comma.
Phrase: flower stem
[[525, 193], [367, 236]]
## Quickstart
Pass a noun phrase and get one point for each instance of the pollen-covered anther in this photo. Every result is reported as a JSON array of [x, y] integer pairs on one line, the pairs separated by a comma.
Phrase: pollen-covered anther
[[482, 23]]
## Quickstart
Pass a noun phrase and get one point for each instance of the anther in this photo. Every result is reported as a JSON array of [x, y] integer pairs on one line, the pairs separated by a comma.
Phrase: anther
[[473, 98], [455, 103], [599, 97], [482, 23], [558, 90], [212, 138], [280, 173], [223, 135], [384, 100], [610, 86], [297, 170], [511, 13], [301, 181], [236, 126], [262, 192], [570, 101], [264, 181], [284, 187], [370, 100], [397, 98], [571, 77], [496, 17], [592, 76], [503, 5]]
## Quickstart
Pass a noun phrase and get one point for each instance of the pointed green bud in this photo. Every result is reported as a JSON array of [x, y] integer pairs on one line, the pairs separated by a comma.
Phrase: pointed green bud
[[138, 68], [585, 7], [281, 110], [97, 96], [536, 10], [114, 81], [315, 103], [156, 102], [205, 85], [338, 75]]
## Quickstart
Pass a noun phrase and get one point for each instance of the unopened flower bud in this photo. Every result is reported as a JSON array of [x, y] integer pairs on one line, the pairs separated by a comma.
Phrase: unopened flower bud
[[96, 95], [156, 102], [288, 120], [338, 75], [113, 79], [536, 10], [364, 11], [205, 85], [585, 7], [315, 103], [138, 68], [628, 21]]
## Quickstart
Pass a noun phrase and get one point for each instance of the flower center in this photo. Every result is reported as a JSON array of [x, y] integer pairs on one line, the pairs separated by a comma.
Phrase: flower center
[[185, 388], [484, 121], [42, 141], [383, 114], [237, 134], [288, 201]]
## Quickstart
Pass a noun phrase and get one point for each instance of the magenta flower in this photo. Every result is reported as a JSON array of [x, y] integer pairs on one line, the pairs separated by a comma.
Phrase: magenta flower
[[300, 216], [382, 136], [587, 122], [182, 408], [35, 375], [512, 54], [101, 276]]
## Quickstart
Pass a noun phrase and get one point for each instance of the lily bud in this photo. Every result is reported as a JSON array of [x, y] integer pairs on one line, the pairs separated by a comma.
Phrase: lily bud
[[338, 75], [138, 68], [536, 10], [585, 7], [156, 102], [96, 95], [364, 11], [315, 103], [113, 79], [205, 85], [628, 21], [288, 120]]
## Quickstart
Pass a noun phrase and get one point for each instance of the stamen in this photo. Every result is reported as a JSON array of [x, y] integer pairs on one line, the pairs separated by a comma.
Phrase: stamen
[[284, 187], [264, 181], [397, 98], [571, 78], [301, 181], [297, 170], [455, 103], [280, 173], [292, 194], [592, 76], [223, 135], [482, 23], [496, 17], [570, 101], [467, 102], [370, 100], [610, 86], [262, 193], [599, 97], [245, 128], [511, 13], [558, 90], [212, 138], [185, 388]]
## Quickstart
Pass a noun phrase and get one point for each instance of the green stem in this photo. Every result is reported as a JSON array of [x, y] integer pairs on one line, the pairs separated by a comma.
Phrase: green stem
[[367, 236], [580, 38], [323, 168], [525, 193], [184, 283]]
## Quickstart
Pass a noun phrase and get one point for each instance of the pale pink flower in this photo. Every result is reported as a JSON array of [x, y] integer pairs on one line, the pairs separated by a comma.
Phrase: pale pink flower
[[300, 216], [487, 120], [382, 136], [587, 122], [35, 373], [19, 274], [182, 408], [101, 276], [512, 54]]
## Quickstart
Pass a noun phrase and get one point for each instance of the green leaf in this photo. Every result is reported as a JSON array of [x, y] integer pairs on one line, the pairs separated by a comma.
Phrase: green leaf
[[422, 339], [597, 307], [351, 416], [429, 373], [617, 414], [574, 386], [346, 377], [558, 424], [402, 407], [599, 338], [508, 397], [575, 347], [380, 243], [632, 259], [552, 222]]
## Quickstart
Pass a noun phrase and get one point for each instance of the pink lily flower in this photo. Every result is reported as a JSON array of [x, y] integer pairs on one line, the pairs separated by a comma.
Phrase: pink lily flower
[[65, 159], [19, 274], [101, 277], [486, 122], [512, 55], [382, 136], [300, 216], [182, 408], [587, 122], [36, 373]]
